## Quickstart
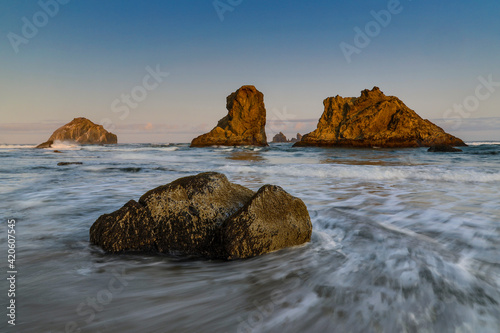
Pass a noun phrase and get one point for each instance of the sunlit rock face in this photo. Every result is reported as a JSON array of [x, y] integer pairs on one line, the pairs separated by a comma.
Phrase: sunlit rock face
[[243, 125], [374, 120], [82, 131]]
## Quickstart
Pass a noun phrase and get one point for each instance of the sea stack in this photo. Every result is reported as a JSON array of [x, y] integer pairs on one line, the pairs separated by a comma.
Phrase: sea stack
[[82, 131], [296, 139], [280, 137], [243, 125], [374, 120]]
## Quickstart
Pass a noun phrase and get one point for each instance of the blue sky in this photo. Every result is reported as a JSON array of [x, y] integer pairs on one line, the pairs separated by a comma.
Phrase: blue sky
[[87, 55]]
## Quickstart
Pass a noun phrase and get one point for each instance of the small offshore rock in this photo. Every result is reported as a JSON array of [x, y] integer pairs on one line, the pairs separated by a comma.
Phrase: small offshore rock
[[280, 137], [68, 163], [46, 144], [296, 139]]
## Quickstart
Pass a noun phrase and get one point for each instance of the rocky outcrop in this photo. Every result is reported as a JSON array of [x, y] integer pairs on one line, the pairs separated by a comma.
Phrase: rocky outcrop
[[443, 149], [297, 139], [205, 215], [270, 221], [82, 131], [280, 137], [68, 163], [243, 125], [374, 120], [46, 144]]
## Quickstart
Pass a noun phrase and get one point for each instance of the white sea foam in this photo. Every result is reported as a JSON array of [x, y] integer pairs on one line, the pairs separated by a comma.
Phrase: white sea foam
[[401, 220], [479, 143], [170, 148], [64, 145], [369, 173], [16, 146]]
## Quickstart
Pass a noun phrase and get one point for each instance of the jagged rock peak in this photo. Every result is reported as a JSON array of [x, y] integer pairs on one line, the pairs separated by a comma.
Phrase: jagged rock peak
[[83, 131], [280, 137], [243, 125], [374, 120]]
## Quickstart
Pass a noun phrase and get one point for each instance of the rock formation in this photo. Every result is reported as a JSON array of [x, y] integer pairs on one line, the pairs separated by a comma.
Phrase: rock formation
[[206, 215], [82, 131], [374, 120], [270, 221], [68, 163], [299, 137], [243, 125], [280, 137]]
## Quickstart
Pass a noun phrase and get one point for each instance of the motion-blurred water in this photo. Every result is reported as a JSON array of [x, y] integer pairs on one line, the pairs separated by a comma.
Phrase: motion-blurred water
[[403, 241]]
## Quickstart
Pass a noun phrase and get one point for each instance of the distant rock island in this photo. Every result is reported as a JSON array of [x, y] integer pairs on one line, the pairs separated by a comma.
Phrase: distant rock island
[[243, 125], [280, 137], [374, 120], [297, 138], [82, 131]]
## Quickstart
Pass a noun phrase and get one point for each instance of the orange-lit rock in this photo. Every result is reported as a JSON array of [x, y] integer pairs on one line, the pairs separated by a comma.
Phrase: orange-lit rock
[[82, 131], [243, 125], [374, 120]]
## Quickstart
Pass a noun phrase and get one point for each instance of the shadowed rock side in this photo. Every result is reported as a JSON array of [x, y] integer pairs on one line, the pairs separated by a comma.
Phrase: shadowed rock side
[[83, 131], [243, 125], [271, 220], [374, 120], [190, 216]]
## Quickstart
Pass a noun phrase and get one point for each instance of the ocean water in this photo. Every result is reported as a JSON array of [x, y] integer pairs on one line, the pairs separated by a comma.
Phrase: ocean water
[[403, 241]]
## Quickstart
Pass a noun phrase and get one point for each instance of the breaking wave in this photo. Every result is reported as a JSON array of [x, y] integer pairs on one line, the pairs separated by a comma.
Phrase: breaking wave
[[368, 173]]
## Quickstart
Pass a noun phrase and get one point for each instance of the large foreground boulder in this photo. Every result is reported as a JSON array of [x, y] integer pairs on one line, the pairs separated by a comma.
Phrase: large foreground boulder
[[243, 125], [206, 215], [374, 120], [82, 131]]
